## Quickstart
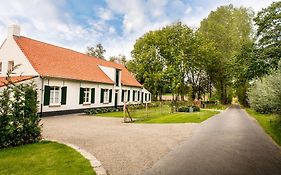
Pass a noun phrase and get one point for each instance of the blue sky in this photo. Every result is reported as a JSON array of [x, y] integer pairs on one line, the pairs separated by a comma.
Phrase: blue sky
[[116, 24]]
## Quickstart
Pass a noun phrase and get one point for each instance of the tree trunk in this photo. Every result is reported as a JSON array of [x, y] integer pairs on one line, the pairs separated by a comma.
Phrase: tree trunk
[[210, 87], [225, 94], [222, 92]]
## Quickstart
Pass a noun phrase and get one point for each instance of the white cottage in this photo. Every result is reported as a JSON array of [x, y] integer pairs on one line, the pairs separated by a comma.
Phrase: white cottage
[[68, 81]]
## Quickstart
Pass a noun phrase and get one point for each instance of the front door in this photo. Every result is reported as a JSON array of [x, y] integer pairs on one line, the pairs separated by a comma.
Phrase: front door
[[116, 99]]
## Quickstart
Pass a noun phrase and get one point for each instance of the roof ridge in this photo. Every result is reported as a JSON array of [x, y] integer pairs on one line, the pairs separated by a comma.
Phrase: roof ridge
[[57, 61], [92, 57], [54, 45]]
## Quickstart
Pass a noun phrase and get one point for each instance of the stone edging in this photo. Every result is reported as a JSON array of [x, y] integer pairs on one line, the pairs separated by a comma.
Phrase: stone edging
[[95, 163]]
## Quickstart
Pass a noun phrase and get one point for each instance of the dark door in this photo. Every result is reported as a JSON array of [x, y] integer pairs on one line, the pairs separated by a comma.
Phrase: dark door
[[116, 99]]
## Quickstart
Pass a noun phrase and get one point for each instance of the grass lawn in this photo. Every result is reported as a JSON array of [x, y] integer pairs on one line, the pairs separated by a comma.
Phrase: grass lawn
[[46, 158], [156, 115], [271, 123]]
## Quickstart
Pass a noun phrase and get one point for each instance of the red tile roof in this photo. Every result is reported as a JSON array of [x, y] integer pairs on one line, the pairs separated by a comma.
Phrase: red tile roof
[[54, 61], [14, 79]]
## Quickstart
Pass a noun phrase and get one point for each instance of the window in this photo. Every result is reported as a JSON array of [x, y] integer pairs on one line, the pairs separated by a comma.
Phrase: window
[[86, 95], [54, 95], [105, 99], [106, 96], [117, 77], [10, 65], [135, 94], [128, 95], [0, 67], [124, 95]]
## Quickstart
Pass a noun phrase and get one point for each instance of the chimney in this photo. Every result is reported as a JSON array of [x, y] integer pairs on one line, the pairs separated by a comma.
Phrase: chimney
[[13, 30]]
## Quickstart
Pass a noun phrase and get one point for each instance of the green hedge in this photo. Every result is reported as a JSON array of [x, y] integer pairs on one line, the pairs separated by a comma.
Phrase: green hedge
[[187, 109], [265, 94], [19, 122]]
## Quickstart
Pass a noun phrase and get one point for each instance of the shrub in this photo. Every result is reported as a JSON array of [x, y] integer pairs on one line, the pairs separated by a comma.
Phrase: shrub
[[196, 108], [186, 108], [265, 95], [19, 121], [183, 109]]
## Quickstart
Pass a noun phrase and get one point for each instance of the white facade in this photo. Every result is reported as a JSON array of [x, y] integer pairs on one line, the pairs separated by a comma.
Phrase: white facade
[[10, 52]]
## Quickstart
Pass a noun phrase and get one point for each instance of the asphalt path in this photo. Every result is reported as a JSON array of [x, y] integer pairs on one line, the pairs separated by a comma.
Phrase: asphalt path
[[231, 143]]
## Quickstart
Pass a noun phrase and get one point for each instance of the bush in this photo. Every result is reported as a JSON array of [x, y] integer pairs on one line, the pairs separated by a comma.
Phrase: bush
[[19, 121], [186, 108], [265, 95]]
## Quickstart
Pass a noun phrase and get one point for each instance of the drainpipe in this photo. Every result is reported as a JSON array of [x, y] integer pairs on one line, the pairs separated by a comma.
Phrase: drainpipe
[[42, 93]]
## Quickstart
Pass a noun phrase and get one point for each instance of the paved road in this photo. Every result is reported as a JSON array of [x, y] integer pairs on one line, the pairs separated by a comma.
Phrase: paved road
[[230, 143]]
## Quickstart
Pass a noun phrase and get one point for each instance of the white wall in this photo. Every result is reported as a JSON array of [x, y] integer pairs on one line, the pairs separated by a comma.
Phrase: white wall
[[136, 89], [11, 52], [73, 90], [73, 93], [109, 71]]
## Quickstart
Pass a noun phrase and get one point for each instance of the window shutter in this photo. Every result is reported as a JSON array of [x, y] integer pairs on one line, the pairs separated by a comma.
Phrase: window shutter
[[110, 95], [128, 95], [63, 95], [133, 95], [138, 95], [46, 95], [123, 93], [101, 95], [93, 95], [81, 96]]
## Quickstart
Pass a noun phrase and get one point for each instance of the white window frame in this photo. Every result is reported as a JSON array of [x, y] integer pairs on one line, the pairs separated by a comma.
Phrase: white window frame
[[87, 96], [11, 64], [136, 95], [125, 96], [105, 95], [54, 92]]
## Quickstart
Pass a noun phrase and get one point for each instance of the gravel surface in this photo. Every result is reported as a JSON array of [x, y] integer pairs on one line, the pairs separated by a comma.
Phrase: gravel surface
[[122, 148]]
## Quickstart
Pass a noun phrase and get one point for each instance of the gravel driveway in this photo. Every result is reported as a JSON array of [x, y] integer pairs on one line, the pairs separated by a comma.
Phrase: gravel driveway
[[122, 148]]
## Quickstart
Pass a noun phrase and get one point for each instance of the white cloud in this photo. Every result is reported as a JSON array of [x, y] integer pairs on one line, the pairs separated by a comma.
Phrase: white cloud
[[46, 21], [105, 14], [188, 10]]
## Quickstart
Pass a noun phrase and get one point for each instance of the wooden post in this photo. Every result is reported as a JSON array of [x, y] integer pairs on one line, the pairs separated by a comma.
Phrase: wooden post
[[124, 111]]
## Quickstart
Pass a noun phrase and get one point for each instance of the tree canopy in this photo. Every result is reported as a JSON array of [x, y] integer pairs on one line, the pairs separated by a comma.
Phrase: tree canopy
[[183, 60], [268, 22], [97, 51]]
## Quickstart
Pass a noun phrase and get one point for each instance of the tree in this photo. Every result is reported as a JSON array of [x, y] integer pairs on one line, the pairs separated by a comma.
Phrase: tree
[[228, 28], [265, 95], [19, 121], [147, 67], [97, 51], [268, 21], [121, 59], [245, 71], [159, 59]]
